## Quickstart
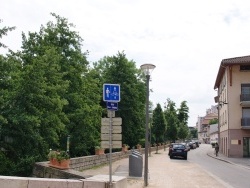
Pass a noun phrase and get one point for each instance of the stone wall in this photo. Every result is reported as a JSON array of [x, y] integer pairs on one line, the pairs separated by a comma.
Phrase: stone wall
[[42, 169], [93, 182]]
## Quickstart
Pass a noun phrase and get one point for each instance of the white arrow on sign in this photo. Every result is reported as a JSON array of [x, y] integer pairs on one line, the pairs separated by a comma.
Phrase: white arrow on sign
[[115, 121], [115, 129], [114, 137], [115, 144]]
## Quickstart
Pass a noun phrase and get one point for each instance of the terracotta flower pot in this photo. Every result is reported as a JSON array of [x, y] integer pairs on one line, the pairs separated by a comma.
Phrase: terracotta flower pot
[[99, 151], [64, 164], [125, 149]]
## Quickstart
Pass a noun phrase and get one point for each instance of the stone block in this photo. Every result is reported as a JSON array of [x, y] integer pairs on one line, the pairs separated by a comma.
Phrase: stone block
[[102, 181], [13, 182], [54, 183]]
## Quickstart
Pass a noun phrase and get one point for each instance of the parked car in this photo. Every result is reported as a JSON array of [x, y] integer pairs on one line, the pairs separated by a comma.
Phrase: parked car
[[197, 143], [187, 145], [178, 150], [192, 145]]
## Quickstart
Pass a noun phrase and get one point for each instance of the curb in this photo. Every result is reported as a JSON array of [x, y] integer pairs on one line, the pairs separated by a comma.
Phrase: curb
[[227, 161]]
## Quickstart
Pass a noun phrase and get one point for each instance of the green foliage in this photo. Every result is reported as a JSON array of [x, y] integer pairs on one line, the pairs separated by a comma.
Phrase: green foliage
[[159, 126], [48, 92], [183, 131], [183, 120], [170, 114], [4, 31], [194, 133], [213, 121], [177, 120], [6, 165], [183, 113], [58, 155], [172, 130], [119, 70]]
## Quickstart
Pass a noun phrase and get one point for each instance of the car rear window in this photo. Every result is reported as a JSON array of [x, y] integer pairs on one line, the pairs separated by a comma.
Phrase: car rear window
[[178, 146]]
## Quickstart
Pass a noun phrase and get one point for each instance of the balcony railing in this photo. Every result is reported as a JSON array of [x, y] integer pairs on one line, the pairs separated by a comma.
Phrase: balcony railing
[[244, 97], [245, 123]]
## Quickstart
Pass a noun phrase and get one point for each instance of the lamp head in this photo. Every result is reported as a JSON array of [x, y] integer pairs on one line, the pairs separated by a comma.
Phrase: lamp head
[[147, 68]]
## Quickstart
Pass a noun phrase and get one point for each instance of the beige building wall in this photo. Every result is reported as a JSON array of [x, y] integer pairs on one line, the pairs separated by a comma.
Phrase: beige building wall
[[230, 114], [234, 91]]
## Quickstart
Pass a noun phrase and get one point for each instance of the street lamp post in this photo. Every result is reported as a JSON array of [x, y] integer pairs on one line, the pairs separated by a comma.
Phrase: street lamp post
[[147, 68], [150, 132], [68, 140]]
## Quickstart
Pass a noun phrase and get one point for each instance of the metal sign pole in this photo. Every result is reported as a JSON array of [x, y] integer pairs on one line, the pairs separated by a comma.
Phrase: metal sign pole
[[110, 151]]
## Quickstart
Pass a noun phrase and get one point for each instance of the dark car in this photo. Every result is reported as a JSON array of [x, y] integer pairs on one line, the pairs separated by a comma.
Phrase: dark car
[[178, 150]]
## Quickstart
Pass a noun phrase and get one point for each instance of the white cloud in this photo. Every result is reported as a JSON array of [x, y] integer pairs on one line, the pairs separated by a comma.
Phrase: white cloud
[[186, 40]]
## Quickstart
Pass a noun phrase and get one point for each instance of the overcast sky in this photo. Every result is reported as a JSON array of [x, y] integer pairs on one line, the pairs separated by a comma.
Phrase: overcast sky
[[185, 40]]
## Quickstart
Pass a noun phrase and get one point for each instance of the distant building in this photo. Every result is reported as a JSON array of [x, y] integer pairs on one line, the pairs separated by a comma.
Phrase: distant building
[[213, 133], [199, 128], [203, 124], [233, 98]]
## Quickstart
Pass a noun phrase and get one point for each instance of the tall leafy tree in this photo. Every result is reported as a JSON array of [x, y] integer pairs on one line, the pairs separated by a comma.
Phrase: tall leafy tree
[[183, 131], [3, 32], [193, 133], [83, 110], [183, 120], [119, 70], [159, 124], [172, 120], [35, 118], [9, 68], [183, 113], [6, 69], [55, 95]]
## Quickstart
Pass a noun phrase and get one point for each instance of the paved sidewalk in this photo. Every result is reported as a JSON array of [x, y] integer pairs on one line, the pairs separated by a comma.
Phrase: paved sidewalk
[[166, 173]]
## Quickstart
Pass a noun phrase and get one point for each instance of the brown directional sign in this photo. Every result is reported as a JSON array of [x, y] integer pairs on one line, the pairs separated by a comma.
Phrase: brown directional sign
[[111, 113], [115, 121], [115, 144], [115, 129], [114, 137]]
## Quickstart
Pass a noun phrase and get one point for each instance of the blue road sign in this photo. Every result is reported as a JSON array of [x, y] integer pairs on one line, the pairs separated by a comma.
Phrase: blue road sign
[[111, 92], [112, 106]]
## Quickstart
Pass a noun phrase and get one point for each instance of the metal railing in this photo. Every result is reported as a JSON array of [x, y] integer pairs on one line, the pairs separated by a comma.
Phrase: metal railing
[[245, 122], [244, 97]]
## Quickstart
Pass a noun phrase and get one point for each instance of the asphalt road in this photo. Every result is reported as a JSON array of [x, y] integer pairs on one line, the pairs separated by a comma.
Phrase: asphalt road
[[231, 175]]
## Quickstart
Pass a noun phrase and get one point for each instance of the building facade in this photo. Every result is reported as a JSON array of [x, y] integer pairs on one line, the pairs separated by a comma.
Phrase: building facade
[[213, 134], [203, 126], [233, 99]]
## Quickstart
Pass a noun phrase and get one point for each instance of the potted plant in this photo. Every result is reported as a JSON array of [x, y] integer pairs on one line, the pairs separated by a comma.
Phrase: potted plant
[[125, 148], [59, 159], [138, 146], [99, 150]]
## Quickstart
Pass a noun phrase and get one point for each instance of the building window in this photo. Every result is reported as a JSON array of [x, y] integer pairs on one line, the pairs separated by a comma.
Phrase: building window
[[245, 88], [245, 121], [245, 92], [245, 112], [245, 67]]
